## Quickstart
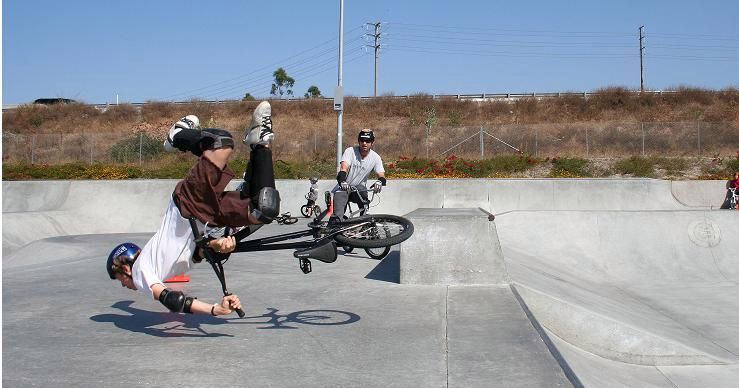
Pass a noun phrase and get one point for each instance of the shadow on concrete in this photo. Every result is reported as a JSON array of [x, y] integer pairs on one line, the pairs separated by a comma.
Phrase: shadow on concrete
[[159, 324], [166, 324], [388, 270]]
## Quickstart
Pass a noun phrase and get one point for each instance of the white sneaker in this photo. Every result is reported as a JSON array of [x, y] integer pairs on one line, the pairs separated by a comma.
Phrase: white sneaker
[[260, 130], [187, 122]]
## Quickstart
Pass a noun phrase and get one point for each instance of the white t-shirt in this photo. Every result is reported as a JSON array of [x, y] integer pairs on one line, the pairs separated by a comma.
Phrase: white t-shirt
[[360, 169], [168, 253]]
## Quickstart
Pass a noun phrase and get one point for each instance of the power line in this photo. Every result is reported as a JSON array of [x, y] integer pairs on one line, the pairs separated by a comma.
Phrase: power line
[[267, 67]]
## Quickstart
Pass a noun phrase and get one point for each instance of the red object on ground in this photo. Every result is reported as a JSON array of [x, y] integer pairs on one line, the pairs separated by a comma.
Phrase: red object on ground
[[181, 278]]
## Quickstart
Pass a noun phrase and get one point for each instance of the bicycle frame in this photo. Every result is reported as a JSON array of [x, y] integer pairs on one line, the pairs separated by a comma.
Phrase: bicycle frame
[[364, 207]]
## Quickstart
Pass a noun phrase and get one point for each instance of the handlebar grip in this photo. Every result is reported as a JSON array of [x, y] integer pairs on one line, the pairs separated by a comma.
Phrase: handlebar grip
[[240, 312]]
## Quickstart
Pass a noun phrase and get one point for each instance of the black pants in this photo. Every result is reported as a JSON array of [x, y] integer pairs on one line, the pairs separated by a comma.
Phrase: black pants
[[259, 173]]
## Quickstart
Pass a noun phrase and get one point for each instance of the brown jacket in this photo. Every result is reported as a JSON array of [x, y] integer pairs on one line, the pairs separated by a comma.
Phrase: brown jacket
[[201, 195]]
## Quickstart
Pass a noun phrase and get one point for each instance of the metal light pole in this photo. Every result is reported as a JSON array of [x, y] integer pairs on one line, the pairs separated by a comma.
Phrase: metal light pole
[[339, 94]]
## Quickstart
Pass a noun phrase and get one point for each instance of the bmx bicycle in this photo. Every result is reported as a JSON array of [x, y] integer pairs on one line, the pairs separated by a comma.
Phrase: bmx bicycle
[[309, 210], [286, 219], [368, 231], [731, 201], [362, 208]]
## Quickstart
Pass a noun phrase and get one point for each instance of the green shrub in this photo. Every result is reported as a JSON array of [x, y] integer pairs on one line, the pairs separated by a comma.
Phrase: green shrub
[[570, 168], [636, 166], [127, 150], [732, 165], [508, 164], [672, 166]]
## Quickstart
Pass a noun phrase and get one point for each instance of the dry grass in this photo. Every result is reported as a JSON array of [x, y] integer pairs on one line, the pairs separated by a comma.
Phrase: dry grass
[[554, 126]]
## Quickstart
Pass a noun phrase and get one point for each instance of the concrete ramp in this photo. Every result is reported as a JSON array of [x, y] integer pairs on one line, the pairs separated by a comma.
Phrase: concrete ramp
[[647, 288], [455, 246]]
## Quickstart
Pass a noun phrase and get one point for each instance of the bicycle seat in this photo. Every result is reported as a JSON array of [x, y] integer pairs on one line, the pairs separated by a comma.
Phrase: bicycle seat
[[325, 252]]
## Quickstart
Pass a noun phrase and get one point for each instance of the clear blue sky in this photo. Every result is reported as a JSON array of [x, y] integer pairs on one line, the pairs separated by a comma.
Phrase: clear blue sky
[[221, 49]]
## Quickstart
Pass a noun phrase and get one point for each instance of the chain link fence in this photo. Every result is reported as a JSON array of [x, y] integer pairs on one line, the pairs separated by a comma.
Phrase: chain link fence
[[541, 140], [676, 139]]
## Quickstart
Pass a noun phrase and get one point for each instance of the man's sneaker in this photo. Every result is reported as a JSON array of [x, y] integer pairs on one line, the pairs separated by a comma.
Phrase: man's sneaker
[[260, 130], [187, 122]]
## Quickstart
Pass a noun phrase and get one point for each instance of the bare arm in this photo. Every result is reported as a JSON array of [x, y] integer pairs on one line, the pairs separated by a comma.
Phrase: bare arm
[[227, 306]]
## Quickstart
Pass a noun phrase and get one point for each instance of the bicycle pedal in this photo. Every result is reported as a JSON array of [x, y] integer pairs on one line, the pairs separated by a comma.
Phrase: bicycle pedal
[[305, 265]]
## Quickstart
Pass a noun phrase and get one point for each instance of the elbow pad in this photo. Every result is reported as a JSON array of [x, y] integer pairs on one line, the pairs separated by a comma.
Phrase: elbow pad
[[341, 176], [176, 301]]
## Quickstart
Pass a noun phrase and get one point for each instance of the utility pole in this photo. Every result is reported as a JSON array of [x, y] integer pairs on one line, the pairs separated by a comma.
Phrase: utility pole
[[376, 46], [641, 57], [339, 94]]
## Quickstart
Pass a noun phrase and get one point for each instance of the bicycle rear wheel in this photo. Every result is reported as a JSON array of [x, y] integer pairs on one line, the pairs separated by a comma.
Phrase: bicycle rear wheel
[[305, 211], [377, 253], [375, 231]]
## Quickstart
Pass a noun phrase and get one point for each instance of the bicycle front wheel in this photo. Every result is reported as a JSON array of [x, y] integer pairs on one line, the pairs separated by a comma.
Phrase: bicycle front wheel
[[374, 231]]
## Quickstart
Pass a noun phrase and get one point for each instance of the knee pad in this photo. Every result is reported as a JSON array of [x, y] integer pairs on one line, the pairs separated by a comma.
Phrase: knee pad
[[214, 139], [267, 205]]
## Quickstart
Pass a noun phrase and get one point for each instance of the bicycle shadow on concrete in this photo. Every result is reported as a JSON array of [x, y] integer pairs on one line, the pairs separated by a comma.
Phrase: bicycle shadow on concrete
[[167, 324], [388, 270], [274, 320]]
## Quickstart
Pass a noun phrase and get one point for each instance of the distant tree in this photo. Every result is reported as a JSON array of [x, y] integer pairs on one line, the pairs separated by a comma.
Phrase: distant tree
[[283, 83], [313, 92], [248, 97]]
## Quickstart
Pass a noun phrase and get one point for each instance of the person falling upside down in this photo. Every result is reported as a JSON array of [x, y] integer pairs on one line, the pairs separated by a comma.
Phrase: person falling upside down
[[201, 195]]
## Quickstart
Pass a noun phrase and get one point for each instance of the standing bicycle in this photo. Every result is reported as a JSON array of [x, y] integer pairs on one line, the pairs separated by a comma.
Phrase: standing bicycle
[[365, 203], [310, 208], [730, 201]]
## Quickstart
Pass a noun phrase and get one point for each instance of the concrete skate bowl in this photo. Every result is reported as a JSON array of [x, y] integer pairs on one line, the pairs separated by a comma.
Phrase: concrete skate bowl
[[633, 279], [647, 288]]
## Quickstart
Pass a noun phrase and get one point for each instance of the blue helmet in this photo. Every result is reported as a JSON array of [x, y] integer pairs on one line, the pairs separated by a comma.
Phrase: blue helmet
[[126, 251]]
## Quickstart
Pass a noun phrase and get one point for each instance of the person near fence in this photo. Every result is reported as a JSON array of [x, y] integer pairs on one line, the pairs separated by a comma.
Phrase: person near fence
[[201, 195], [731, 183], [357, 163]]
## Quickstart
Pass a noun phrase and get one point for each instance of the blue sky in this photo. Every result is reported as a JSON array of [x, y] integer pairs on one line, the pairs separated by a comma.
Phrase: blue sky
[[221, 49]]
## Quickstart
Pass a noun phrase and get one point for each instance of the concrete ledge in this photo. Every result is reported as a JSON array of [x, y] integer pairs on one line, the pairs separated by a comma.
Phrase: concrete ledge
[[453, 246]]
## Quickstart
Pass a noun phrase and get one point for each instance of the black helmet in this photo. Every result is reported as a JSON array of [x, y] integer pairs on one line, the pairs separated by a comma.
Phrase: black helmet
[[313, 179], [127, 251], [366, 135]]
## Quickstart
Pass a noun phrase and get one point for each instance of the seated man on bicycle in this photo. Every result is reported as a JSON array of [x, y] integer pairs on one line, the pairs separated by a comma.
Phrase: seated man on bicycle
[[357, 163], [731, 184], [201, 195]]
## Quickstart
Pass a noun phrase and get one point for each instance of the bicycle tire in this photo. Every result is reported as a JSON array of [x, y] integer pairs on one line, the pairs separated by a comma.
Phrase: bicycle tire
[[347, 249], [377, 253], [382, 230], [304, 211]]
